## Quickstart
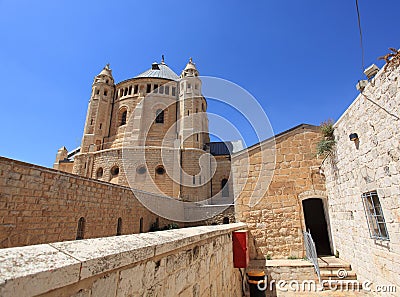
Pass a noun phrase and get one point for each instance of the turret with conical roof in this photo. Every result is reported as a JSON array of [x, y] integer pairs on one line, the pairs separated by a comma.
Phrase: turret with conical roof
[[194, 126]]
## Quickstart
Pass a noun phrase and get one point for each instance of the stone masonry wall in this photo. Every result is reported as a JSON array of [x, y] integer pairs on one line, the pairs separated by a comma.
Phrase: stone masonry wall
[[194, 262], [268, 195], [371, 164], [41, 205]]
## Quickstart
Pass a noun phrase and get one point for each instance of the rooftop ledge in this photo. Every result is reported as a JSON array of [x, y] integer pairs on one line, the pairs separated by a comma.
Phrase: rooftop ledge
[[40, 268]]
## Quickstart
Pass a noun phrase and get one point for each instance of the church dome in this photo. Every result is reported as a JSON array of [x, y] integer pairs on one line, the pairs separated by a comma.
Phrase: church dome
[[159, 70]]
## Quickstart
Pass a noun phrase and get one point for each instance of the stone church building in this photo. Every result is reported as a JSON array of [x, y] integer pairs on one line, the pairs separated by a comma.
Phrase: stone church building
[[150, 132]]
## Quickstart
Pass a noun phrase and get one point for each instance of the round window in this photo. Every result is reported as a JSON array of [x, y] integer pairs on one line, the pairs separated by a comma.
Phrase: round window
[[115, 170], [141, 169], [160, 170]]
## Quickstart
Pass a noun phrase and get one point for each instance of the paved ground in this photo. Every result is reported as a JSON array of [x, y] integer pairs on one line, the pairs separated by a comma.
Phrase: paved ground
[[323, 293]]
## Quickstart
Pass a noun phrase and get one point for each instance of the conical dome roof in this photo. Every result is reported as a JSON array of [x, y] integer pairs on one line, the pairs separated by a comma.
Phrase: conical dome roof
[[106, 71]]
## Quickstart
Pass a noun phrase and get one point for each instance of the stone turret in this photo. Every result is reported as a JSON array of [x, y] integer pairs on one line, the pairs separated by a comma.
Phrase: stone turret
[[192, 106], [99, 111]]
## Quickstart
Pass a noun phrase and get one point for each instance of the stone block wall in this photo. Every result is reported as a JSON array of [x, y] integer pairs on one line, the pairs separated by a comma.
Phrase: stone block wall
[[270, 181], [187, 262], [370, 164], [41, 205]]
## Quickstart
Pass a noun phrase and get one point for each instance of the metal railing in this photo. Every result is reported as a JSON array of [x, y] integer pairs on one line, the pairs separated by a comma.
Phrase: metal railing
[[311, 252]]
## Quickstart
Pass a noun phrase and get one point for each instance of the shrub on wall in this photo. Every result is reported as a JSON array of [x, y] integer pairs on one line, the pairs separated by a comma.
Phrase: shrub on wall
[[326, 144]]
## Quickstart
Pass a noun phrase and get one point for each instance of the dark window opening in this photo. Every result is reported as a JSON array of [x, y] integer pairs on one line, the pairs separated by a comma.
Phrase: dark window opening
[[173, 91], [374, 214], [194, 179], [91, 122], [141, 169], [130, 90], [160, 116], [225, 220], [161, 89], [107, 81], [119, 226], [148, 88], [225, 188], [97, 92], [166, 90], [136, 89], [189, 86], [123, 117], [81, 229], [115, 171], [99, 173], [105, 93], [155, 88], [160, 170], [121, 92], [141, 225], [100, 126], [188, 112]]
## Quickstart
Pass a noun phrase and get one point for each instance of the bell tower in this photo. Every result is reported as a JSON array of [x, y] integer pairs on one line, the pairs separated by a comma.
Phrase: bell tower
[[99, 111], [193, 128]]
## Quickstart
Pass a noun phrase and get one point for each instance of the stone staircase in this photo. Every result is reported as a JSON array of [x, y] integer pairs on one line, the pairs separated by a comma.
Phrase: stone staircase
[[336, 274]]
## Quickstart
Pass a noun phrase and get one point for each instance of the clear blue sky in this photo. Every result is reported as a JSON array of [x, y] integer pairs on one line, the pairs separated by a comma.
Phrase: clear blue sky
[[300, 59]]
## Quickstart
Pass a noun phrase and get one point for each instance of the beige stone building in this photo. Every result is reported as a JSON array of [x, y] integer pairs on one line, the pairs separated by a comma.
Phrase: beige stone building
[[151, 133]]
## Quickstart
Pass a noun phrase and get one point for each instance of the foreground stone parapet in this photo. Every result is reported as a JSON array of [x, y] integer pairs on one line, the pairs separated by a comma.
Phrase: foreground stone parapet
[[195, 260]]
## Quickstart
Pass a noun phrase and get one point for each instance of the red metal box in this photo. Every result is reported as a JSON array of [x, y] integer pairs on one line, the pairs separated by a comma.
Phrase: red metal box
[[240, 241]]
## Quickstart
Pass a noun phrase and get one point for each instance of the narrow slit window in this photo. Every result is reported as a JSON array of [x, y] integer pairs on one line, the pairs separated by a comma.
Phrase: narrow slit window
[[225, 188], [81, 229], [136, 89], [130, 90], [119, 226], [155, 88], [166, 90], [173, 91], [123, 117], [161, 89], [148, 88]]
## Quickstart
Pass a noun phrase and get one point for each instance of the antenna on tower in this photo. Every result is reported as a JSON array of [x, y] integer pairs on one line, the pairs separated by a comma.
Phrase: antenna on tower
[[162, 58]]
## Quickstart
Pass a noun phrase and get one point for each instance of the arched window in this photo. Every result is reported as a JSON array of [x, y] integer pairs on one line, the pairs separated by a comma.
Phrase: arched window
[[225, 188], [126, 91], [225, 220], [99, 173], [119, 226], [160, 116], [81, 228], [141, 225], [123, 117]]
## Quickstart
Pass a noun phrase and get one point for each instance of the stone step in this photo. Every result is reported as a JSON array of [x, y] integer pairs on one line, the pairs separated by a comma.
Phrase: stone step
[[342, 284], [338, 274]]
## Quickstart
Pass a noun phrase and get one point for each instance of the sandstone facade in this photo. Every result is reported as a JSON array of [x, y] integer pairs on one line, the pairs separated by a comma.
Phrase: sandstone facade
[[271, 179], [151, 133], [370, 164]]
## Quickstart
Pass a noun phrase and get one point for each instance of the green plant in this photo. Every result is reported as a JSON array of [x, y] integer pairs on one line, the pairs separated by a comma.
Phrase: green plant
[[292, 258], [326, 144], [269, 257]]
